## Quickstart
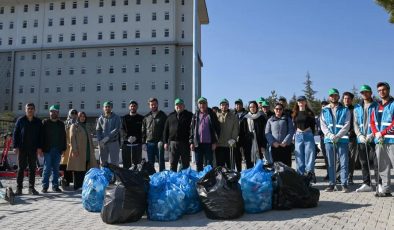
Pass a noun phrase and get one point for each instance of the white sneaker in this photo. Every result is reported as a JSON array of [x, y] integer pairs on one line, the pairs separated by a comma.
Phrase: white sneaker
[[364, 188], [380, 188]]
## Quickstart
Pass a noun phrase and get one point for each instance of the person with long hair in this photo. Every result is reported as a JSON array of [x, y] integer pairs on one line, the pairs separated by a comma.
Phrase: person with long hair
[[305, 123], [67, 176], [82, 156]]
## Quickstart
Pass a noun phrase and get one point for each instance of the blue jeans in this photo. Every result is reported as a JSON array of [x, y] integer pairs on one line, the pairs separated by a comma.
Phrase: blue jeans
[[203, 151], [305, 152], [51, 165], [341, 150], [153, 151]]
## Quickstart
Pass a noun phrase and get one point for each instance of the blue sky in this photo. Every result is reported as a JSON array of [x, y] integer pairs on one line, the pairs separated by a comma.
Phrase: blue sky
[[254, 46]]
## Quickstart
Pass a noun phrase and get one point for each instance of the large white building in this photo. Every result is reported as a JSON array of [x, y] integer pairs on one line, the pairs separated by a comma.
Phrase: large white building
[[81, 53]]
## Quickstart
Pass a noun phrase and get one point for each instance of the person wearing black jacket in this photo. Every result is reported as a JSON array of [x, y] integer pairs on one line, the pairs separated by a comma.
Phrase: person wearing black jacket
[[132, 140], [176, 135], [204, 133], [152, 133], [53, 144], [27, 145], [252, 135], [240, 112]]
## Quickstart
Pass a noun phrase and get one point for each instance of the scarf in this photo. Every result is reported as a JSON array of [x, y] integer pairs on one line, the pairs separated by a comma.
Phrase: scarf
[[250, 119]]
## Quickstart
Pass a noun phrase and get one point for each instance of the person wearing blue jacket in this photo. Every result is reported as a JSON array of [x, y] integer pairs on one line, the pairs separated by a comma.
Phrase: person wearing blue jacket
[[27, 145]]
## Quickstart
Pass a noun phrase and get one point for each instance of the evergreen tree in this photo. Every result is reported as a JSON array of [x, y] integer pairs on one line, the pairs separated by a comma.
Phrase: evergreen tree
[[308, 91], [272, 99], [357, 99], [292, 101], [388, 5]]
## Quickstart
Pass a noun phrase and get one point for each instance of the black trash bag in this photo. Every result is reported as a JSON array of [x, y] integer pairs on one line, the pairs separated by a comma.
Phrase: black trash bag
[[126, 199], [292, 190], [145, 166], [220, 194]]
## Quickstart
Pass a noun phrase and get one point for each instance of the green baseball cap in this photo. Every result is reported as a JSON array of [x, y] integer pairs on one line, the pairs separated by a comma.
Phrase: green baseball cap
[[224, 100], [178, 101], [107, 103], [239, 101], [54, 108], [364, 88], [260, 100], [265, 103], [333, 91], [202, 100]]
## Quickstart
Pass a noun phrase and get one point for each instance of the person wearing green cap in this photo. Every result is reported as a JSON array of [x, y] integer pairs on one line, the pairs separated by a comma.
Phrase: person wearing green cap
[[131, 134], [335, 124], [27, 145], [240, 112], [229, 130], [205, 129], [176, 135], [365, 146], [260, 101], [108, 134], [54, 143], [382, 126], [265, 109]]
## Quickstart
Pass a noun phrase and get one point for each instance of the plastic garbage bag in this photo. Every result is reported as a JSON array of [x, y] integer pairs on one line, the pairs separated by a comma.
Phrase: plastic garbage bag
[[126, 199], [292, 190], [165, 199], [93, 188], [256, 186], [221, 194]]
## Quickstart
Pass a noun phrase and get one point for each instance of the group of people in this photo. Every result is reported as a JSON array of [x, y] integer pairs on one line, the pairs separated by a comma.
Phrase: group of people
[[222, 137]]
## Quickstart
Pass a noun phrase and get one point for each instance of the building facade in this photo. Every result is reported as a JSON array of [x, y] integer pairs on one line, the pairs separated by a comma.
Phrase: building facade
[[81, 53]]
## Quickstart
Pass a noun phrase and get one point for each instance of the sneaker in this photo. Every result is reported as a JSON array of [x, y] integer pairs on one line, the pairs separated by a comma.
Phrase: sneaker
[[56, 189], [33, 191], [345, 189], [44, 190], [380, 188], [364, 188], [9, 195], [18, 192], [387, 194], [330, 188]]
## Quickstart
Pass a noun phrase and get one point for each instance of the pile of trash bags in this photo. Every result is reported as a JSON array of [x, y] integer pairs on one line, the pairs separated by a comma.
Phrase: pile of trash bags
[[93, 188], [292, 190], [220, 194], [126, 199], [256, 186]]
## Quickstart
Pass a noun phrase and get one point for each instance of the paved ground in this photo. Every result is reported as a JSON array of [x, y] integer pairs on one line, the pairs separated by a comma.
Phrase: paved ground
[[335, 211]]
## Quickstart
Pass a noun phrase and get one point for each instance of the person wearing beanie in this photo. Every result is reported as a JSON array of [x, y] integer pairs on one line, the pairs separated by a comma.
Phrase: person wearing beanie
[[335, 124], [108, 135], [53, 144], [176, 135], [382, 126], [131, 135], [229, 130]]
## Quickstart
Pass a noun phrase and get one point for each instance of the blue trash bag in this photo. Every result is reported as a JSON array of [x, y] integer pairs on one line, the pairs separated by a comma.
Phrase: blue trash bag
[[93, 188], [204, 171], [256, 186], [165, 199]]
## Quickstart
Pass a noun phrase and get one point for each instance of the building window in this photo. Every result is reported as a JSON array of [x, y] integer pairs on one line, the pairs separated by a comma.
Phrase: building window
[[71, 71], [5, 106], [85, 20], [154, 1], [123, 104], [126, 2], [46, 90], [112, 52], [7, 91], [98, 105], [137, 17], [113, 3], [125, 18], [33, 56], [124, 69], [183, 34], [25, 8], [153, 86], [166, 50], [183, 2], [2, 10], [136, 68], [86, 4], [58, 89], [20, 106], [62, 5], [49, 38], [182, 86], [154, 16], [70, 88], [98, 70], [124, 52], [138, 2], [111, 87], [12, 9], [34, 39], [136, 86], [22, 57], [24, 24], [74, 5], [183, 17], [99, 53], [137, 34], [153, 68], [72, 54], [137, 51], [60, 54], [83, 53], [33, 73], [153, 50], [70, 105], [100, 19], [61, 38], [98, 87], [72, 37], [47, 72], [84, 36], [61, 22], [11, 25], [36, 7], [166, 33], [83, 88], [73, 20], [20, 89], [1, 25], [182, 51], [101, 3], [182, 68], [113, 18], [35, 24], [51, 6], [124, 86], [82, 105], [153, 33], [48, 55], [83, 70], [112, 36], [124, 34], [111, 69], [50, 22], [59, 71], [166, 85], [166, 16], [23, 41], [165, 103], [21, 73], [100, 36], [166, 68]]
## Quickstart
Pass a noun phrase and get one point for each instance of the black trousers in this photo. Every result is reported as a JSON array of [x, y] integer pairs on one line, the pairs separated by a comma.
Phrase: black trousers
[[223, 156], [324, 152], [179, 150], [26, 158], [362, 150], [282, 154], [67, 175], [238, 158], [131, 154], [78, 177]]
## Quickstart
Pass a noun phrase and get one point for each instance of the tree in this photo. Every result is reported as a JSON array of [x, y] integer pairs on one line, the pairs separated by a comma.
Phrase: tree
[[272, 99], [293, 101], [309, 92], [388, 5], [357, 97]]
